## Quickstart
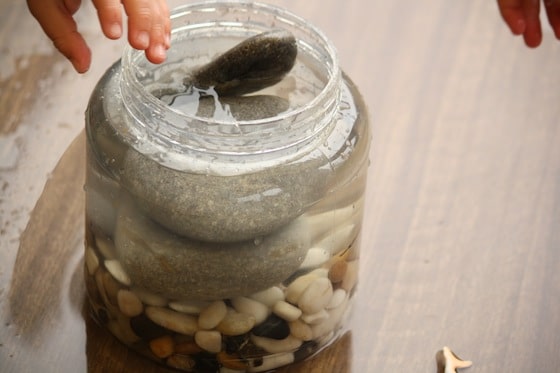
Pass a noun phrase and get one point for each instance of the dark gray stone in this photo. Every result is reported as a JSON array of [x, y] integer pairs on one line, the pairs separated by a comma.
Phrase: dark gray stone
[[183, 269], [258, 62]]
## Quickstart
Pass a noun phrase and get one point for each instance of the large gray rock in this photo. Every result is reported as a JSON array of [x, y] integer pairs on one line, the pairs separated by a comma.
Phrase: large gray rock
[[183, 269], [223, 208]]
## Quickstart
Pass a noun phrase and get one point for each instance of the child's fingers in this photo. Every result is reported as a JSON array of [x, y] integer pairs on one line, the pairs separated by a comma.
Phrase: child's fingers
[[159, 35], [553, 13], [513, 14], [533, 32], [148, 24], [110, 17], [57, 22], [140, 15]]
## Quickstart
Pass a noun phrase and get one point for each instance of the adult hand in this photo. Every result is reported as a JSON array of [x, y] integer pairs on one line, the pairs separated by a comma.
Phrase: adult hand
[[148, 26], [522, 17]]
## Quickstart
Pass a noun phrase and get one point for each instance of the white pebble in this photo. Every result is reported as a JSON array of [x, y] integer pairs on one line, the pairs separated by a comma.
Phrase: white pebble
[[117, 271], [178, 322], [212, 315], [338, 240], [236, 323], [315, 318], [251, 307], [209, 340], [273, 361], [301, 330], [316, 296], [190, 307], [332, 322], [298, 286], [92, 262], [338, 297], [315, 257], [286, 311], [149, 298], [269, 296], [290, 343], [129, 304]]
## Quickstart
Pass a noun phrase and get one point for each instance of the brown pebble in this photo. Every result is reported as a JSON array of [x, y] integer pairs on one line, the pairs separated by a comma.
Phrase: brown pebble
[[181, 362], [337, 271], [231, 361], [188, 348], [162, 347]]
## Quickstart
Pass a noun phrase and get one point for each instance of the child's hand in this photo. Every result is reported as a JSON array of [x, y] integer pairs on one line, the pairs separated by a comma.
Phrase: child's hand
[[522, 17], [148, 26]]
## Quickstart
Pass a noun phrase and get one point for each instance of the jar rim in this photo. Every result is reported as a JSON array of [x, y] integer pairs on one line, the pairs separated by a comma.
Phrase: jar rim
[[323, 99]]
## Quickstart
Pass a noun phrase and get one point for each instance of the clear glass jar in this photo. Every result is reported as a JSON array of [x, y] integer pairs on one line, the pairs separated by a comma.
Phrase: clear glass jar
[[215, 244]]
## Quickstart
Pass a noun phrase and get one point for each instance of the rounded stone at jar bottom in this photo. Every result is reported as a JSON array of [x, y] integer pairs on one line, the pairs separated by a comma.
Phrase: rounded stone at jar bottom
[[253, 333]]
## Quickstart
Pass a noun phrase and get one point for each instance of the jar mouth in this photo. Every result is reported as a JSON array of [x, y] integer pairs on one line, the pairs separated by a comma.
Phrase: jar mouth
[[168, 126]]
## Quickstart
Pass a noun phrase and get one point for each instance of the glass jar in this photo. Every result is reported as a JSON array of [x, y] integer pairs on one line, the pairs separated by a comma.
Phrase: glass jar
[[216, 242]]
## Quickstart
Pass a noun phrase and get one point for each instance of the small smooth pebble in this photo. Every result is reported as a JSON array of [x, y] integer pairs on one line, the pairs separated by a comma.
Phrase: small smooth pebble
[[212, 315], [301, 330], [268, 297], [286, 311], [120, 327], [92, 262], [251, 307], [149, 298], [274, 346], [236, 323], [115, 268], [315, 318], [181, 362], [193, 307], [339, 295], [162, 347], [146, 328], [298, 286], [315, 257], [178, 322], [231, 362], [327, 326], [209, 340], [188, 348], [337, 271], [129, 304], [273, 361], [316, 296], [350, 277], [273, 327]]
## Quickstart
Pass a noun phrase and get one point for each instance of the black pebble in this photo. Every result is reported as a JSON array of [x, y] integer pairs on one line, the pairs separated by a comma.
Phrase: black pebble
[[273, 327], [146, 328]]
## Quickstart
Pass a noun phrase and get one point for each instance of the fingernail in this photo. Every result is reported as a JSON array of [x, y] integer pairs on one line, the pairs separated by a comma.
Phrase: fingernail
[[115, 30], [143, 39], [159, 51]]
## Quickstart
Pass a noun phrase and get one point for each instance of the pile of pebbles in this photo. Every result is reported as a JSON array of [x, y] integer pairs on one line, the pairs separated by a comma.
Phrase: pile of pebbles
[[270, 328]]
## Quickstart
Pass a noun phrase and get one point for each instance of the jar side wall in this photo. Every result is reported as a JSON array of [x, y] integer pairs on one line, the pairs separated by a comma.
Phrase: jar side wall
[[168, 271]]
